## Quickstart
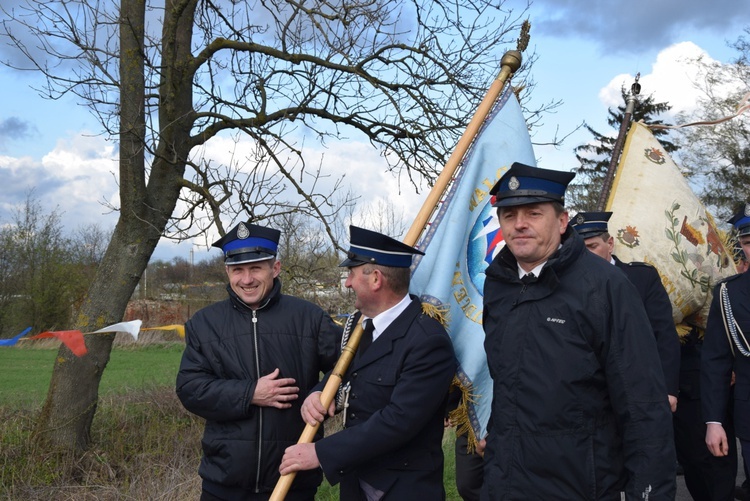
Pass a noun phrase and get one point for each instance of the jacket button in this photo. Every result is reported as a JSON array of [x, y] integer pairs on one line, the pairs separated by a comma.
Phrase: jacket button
[[380, 379], [354, 375], [352, 416], [353, 396]]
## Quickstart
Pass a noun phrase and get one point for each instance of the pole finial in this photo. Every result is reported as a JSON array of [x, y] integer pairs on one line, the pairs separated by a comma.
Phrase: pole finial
[[523, 38], [512, 59], [635, 89]]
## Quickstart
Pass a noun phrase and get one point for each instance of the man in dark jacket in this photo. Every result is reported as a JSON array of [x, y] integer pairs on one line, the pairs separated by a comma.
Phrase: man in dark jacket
[[245, 362], [579, 408], [395, 390], [592, 226], [726, 350]]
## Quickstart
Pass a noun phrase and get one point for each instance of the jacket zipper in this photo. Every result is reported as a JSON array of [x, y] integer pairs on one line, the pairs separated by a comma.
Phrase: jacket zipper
[[260, 409]]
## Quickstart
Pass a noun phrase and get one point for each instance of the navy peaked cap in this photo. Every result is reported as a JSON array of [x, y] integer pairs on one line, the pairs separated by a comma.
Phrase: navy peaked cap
[[590, 224], [741, 220], [523, 184], [248, 243], [366, 246]]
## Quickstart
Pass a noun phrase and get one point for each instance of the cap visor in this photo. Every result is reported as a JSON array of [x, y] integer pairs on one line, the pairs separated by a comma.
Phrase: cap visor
[[248, 257], [351, 263]]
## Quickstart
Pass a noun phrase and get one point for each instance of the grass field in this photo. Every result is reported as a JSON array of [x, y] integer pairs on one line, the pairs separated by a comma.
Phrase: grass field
[[144, 444], [25, 372]]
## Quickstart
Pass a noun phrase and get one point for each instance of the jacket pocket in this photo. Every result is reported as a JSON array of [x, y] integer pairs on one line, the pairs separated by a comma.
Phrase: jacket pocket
[[742, 391]]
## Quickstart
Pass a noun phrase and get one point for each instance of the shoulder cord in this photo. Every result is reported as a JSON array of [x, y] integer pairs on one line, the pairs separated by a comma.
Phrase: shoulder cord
[[342, 395], [732, 329]]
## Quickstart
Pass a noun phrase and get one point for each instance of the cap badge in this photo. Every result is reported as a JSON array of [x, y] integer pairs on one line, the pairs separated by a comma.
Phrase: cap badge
[[580, 219], [242, 231], [513, 184]]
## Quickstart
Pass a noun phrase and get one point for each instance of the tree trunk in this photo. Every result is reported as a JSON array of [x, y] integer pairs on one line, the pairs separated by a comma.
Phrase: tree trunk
[[68, 412]]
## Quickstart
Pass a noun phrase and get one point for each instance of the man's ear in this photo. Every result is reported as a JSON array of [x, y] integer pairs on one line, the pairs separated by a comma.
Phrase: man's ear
[[564, 219], [376, 280]]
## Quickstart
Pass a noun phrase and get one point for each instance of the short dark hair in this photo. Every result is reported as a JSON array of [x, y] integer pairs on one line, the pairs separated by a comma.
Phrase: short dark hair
[[398, 278]]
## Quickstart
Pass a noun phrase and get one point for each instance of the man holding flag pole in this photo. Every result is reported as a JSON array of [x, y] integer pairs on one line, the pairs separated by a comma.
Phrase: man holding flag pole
[[510, 62], [395, 390]]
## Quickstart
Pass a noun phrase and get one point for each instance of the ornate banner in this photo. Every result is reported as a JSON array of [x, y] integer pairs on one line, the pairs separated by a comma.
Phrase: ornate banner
[[658, 219]]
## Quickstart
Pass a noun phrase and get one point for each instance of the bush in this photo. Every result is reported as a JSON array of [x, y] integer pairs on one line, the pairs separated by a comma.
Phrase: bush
[[145, 443], [146, 446]]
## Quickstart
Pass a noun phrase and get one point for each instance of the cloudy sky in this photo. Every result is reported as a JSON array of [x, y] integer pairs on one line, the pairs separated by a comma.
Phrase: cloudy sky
[[587, 50]]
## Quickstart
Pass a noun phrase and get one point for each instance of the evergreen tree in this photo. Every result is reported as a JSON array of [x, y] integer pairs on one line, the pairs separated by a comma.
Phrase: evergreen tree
[[594, 156]]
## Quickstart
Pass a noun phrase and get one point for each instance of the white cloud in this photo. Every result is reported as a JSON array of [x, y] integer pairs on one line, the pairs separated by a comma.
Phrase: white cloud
[[75, 178], [672, 79], [359, 166]]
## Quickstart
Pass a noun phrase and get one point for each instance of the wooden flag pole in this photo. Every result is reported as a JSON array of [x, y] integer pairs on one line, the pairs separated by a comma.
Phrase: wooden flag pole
[[635, 89], [510, 63]]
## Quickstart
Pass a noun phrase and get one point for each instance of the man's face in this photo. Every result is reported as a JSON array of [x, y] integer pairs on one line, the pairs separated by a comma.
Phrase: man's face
[[360, 281], [252, 282], [601, 247], [532, 232], [745, 243]]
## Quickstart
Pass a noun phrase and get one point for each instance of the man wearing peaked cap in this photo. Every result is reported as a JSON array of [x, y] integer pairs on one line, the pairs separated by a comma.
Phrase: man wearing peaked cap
[[246, 360], [741, 221], [726, 351], [578, 407], [394, 392], [371, 247], [592, 226], [706, 477]]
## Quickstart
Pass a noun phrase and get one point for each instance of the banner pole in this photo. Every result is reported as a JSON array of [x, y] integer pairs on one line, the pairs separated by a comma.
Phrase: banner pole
[[509, 64]]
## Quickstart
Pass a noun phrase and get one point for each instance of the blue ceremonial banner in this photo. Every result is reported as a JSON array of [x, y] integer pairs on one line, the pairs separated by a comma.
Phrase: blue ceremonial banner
[[462, 240]]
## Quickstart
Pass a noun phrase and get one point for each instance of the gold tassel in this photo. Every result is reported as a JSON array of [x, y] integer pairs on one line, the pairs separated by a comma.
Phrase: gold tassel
[[684, 329], [440, 313], [459, 416]]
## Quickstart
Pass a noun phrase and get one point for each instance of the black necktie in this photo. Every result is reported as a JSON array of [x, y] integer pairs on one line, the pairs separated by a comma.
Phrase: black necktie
[[366, 339], [528, 278]]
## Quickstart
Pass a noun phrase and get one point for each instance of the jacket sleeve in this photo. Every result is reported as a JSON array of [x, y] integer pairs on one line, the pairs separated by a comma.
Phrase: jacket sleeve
[[203, 392], [329, 341], [716, 366], [639, 398], [659, 311]]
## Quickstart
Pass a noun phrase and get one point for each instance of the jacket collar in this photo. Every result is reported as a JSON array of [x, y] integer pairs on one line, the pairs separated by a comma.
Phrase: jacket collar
[[397, 329], [505, 265]]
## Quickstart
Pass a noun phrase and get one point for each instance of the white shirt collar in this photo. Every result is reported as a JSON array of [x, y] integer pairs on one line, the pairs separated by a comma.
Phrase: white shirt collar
[[536, 270], [382, 320]]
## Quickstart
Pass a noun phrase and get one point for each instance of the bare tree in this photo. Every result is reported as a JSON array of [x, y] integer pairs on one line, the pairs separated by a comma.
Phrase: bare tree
[[717, 157], [170, 80]]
